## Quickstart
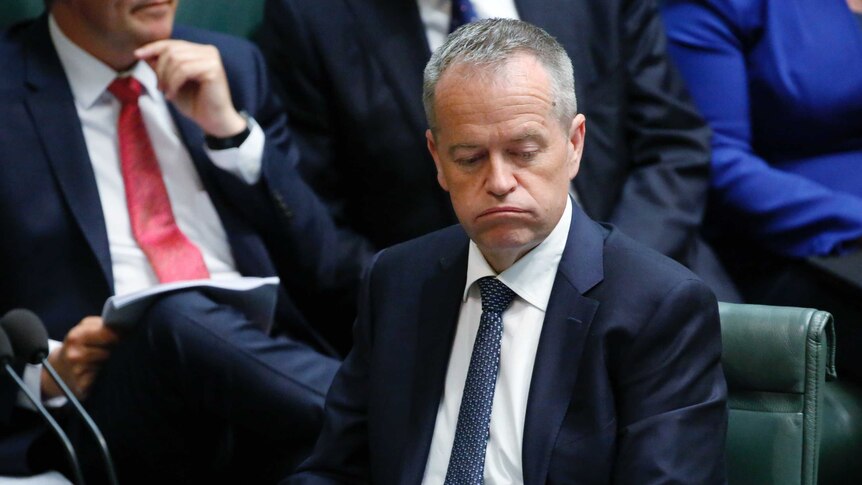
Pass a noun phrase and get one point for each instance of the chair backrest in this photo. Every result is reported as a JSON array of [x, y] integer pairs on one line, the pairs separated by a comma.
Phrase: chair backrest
[[776, 361], [14, 11], [237, 17]]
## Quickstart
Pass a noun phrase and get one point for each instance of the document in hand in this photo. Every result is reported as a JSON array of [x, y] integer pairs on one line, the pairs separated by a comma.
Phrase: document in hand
[[255, 297]]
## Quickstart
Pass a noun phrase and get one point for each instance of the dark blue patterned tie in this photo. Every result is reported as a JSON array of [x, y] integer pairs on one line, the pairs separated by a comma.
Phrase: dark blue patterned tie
[[462, 13], [467, 462]]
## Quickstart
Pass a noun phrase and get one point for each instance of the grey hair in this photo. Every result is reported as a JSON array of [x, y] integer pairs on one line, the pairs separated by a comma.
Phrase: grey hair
[[491, 43]]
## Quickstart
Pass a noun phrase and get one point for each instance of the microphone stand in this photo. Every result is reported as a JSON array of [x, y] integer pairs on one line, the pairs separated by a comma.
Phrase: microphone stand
[[70, 450], [97, 434]]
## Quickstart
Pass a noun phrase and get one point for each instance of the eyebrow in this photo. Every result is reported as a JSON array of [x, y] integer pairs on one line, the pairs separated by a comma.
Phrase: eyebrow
[[528, 135]]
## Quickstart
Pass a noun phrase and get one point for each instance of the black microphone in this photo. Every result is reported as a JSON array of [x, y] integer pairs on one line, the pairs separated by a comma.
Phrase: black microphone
[[30, 341], [7, 356]]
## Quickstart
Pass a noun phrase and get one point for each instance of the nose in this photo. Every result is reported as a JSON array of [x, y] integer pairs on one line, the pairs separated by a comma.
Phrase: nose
[[500, 179]]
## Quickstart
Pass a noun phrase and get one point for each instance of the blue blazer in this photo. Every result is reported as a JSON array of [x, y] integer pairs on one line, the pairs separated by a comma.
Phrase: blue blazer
[[627, 385], [780, 81], [54, 256]]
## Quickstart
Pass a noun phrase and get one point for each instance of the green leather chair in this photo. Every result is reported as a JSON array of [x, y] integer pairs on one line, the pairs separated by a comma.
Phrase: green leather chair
[[12, 11], [237, 17], [841, 443], [788, 425]]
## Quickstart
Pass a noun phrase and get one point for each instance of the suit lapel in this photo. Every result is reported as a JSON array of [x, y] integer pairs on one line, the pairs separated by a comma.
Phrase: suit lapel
[[393, 31], [52, 107], [441, 303], [564, 333], [249, 253]]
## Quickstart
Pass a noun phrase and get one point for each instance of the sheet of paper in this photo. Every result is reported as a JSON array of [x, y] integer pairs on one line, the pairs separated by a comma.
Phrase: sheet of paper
[[255, 297]]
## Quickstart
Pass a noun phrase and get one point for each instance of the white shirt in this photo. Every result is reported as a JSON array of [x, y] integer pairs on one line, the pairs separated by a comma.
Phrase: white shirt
[[437, 14], [98, 111], [193, 210], [531, 278]]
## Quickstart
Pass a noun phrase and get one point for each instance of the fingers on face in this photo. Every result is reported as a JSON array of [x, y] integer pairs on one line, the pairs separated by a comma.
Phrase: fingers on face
[[182, 62], [197, 71]]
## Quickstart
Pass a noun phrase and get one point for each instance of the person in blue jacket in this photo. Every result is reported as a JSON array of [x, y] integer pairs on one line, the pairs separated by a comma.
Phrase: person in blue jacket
[[780, 81]]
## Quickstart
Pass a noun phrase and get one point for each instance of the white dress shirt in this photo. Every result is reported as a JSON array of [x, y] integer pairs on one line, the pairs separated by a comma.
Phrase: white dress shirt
[[531, 278], [437, 14], [193, 210], [98, 111]]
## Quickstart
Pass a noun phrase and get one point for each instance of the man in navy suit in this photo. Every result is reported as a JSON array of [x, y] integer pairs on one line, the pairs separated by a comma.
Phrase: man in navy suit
[[195, 391], [529, 344], [352, 77]]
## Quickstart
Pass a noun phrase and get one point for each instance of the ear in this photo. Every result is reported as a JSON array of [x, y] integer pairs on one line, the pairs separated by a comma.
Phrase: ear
[[576, 140], [432, 147]]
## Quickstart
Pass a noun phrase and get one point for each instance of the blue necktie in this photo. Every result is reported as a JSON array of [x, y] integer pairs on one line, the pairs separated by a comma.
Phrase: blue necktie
[[467, 462], [462, 13]]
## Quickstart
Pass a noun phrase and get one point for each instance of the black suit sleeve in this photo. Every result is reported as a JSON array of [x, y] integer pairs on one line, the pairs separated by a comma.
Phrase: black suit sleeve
[[341, 454], [320, 265], [663, 198], [672, 394], [302, 85]]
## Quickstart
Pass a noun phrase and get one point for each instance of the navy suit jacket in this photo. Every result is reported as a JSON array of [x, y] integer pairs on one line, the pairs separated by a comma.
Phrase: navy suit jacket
[[54, 252], [351, 71], [627, 385]]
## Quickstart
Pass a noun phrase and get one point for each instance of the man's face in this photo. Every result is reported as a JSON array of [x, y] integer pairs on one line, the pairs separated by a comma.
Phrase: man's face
[[115, 25], [503, 155]]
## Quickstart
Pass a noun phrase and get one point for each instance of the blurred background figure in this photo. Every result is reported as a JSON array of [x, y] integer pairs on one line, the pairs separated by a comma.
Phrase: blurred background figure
[[134, 152], [780, 82], [351, 73]]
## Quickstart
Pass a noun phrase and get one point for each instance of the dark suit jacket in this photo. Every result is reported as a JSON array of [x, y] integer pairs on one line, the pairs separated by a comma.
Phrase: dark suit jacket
[[54, 252], [627, 385], [352, 77]]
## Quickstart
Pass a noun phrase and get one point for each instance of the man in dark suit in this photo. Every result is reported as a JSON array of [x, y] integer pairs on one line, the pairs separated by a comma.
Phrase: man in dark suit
[[195, 391], [529, 344], [352, 73]]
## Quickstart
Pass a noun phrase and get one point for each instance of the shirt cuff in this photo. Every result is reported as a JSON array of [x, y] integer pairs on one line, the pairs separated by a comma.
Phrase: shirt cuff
[[32, 378], [244, 161]]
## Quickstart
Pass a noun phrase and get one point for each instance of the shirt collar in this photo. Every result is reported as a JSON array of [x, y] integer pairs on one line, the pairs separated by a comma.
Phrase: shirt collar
[[532, 276], [435, 4], [89, 77]]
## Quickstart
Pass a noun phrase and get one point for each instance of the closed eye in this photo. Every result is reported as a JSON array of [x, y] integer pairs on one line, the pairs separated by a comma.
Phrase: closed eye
[[522, 156], [528, 156], [469, 160]]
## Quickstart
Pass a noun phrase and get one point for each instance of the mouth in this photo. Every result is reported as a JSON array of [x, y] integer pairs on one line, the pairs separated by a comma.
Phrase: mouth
[[503, 210], [151, 5]]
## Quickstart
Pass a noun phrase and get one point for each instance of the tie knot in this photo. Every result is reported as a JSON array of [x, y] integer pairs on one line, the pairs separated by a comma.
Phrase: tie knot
[[126, 89], [496, 296]]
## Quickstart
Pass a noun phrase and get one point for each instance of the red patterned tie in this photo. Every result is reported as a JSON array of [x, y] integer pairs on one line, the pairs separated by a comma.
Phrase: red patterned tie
[[169, 251]]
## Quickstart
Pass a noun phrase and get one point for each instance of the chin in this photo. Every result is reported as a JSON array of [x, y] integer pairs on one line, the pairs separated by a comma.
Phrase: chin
[[153, 34], [501, 239], [153, 29]]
